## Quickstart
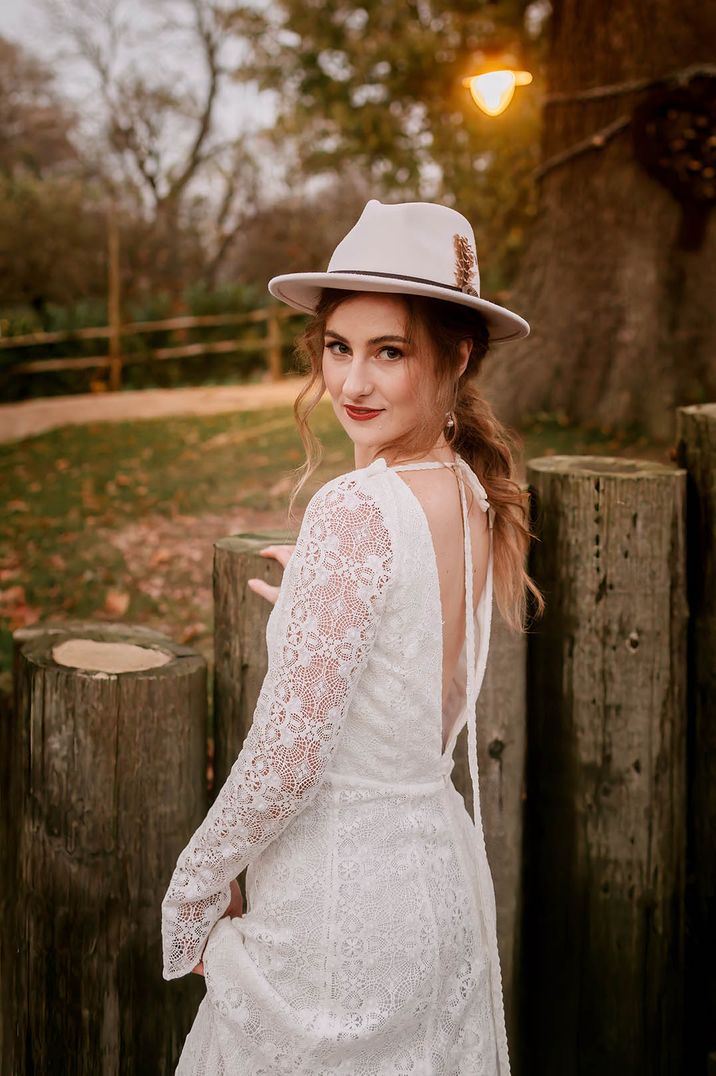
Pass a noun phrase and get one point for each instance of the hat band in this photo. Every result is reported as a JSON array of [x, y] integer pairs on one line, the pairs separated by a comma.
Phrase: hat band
[[467, 290]]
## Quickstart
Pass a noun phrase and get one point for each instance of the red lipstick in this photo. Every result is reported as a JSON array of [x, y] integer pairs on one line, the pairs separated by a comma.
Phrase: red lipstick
[[361, 414]]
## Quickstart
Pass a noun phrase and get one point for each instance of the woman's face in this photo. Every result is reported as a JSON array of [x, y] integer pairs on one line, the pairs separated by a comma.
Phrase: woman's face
[[366, 363]]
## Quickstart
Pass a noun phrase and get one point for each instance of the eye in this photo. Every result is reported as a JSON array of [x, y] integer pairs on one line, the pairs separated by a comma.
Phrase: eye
[[330, 344], [397, 353]]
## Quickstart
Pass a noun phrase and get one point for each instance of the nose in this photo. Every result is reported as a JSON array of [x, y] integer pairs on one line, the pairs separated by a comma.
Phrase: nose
[[357, 385]]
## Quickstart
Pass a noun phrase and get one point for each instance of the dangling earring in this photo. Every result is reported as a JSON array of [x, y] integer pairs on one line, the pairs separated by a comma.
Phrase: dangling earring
[[450, 426]]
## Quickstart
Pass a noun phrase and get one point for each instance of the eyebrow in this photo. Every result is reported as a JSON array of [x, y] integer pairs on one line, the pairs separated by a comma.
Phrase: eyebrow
[[375, 340]]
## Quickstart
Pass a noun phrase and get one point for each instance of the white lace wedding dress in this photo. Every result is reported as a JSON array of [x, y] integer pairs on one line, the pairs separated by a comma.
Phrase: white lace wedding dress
[[368, 945]]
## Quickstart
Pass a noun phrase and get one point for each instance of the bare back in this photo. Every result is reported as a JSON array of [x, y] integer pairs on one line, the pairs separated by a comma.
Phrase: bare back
[[438, 492]]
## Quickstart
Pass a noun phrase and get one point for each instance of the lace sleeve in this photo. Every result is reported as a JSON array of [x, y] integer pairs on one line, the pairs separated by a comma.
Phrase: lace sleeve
[[327, 615]]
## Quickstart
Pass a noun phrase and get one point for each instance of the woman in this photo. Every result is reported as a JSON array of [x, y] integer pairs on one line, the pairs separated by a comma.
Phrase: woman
[[369, 942]]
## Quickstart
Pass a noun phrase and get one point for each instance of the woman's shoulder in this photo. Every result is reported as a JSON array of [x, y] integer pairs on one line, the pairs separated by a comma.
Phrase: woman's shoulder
[[364, 494], [374, 479]]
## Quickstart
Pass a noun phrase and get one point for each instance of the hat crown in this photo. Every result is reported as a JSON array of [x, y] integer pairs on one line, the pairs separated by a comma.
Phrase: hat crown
[[408, 248], [415, 240]]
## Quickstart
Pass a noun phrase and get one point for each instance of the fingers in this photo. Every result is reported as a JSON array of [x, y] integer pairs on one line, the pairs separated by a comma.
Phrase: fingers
[[281, 553], [237, 899], [263, 589]]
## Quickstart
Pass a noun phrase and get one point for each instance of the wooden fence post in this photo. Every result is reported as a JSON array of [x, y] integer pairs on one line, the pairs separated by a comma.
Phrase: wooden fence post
[[696, 451], [240, 652], [605, 811], [274, 345], [114, 302], [104, 778]]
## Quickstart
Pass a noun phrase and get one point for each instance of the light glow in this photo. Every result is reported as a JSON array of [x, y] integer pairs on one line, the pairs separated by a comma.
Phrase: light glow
[[492, 91]]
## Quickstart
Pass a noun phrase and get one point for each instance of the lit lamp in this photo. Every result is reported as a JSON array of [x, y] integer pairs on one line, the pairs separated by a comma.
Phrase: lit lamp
[[492, 90]]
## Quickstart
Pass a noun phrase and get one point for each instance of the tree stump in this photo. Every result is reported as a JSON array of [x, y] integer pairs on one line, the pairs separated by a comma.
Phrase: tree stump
[[104, 775], [605, 811], [696, 451]]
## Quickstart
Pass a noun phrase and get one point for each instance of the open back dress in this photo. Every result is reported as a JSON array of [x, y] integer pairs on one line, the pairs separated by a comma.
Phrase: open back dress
[[368, 945]]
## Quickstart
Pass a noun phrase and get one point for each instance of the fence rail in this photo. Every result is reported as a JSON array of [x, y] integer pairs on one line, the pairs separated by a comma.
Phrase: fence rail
[[114, 360]]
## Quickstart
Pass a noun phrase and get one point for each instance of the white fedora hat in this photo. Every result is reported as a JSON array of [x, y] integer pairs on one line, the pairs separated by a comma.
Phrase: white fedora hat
[[419, 248]]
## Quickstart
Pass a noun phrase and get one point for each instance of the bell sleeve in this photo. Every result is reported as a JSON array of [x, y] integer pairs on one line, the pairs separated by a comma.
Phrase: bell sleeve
[[325, 622]]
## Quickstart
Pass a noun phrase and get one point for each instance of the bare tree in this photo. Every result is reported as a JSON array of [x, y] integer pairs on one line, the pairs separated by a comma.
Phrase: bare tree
[[35, 122], [155, 78]]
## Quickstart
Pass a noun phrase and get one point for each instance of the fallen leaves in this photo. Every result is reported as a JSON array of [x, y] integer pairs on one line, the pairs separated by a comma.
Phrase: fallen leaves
[[14, 607], [189, 632], [12, 594], [160, 556], [116, 602]]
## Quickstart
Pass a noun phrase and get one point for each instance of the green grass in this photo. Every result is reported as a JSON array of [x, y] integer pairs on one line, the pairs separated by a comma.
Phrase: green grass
[[70, 492]]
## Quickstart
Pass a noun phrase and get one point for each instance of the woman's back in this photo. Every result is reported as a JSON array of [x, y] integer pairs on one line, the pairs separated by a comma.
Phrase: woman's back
[[438, 492]]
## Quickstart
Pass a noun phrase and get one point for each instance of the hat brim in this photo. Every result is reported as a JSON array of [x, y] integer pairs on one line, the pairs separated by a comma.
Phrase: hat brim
[[302, 291]]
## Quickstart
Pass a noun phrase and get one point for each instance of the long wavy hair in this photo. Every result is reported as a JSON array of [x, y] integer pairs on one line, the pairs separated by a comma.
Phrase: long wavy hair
[[434, 328]]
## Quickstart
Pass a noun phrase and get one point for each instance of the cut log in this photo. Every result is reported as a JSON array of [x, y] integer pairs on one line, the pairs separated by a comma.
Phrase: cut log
[[240, 651], [605, 820], [104, 778], [696, 451]]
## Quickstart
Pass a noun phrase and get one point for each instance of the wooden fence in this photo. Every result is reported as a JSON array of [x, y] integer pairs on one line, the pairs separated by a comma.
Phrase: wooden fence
[[597, 758], [114, 361]]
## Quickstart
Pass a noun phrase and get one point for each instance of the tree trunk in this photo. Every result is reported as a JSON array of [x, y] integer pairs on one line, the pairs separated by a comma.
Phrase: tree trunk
[[621, 312]]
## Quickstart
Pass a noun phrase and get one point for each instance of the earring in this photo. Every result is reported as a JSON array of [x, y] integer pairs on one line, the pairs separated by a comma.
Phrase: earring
[[450, 426]]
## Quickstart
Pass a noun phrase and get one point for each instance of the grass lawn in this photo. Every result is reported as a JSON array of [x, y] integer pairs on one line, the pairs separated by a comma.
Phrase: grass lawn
[[117, 521]]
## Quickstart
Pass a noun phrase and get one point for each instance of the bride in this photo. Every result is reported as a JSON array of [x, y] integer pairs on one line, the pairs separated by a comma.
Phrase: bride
[[369, 942]]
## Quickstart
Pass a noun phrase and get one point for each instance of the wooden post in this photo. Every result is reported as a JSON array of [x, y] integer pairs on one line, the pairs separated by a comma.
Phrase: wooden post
[[104, 778], [274, 345], [605, 811], [696, 451], [240, 650], [114, 302]]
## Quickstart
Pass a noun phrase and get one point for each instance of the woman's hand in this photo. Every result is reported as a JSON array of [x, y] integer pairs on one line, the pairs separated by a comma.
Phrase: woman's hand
[[235, 908], [282, 554], [236, 905]]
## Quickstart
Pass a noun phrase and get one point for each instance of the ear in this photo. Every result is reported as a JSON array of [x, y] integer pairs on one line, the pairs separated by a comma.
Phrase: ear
[[465, 352]]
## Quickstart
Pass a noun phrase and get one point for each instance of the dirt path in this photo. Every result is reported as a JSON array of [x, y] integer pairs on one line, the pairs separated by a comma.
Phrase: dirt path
[[26, 419]]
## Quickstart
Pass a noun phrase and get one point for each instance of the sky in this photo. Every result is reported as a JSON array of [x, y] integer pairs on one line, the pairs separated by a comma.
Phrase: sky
[[241, 108]]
